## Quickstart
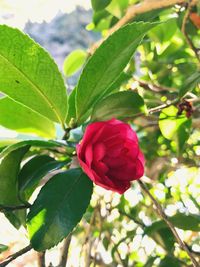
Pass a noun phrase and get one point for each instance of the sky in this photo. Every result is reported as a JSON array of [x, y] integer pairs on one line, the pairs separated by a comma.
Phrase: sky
[[16, 13]]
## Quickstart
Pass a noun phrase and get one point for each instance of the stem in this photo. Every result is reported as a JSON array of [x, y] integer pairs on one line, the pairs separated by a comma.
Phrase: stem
[[183, 29], [162, 214], [65, 251], [41, 259], [15, 256]]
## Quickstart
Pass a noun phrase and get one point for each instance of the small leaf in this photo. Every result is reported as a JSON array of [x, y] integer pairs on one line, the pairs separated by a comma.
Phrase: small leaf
[[17, 117], [119, 105], [71, 113], [74, 61], [186, 222], [106, 64], [3, 248], [190, 84], [117, 7], [174, 127], [33, 171], [58, 208], [30, 76], [100, 4]]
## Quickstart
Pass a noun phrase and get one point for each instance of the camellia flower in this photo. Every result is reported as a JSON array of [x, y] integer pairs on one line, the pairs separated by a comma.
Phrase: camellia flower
[[109, 154]]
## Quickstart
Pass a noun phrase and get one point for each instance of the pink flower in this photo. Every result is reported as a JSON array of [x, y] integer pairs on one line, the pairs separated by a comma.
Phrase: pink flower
[[109, 154]]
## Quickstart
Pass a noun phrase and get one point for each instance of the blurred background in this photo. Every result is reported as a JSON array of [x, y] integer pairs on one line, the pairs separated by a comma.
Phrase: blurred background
[[125, 230]]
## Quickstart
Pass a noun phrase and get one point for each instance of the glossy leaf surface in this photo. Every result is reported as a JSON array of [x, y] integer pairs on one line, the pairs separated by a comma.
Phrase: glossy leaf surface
[[30, 76], [58, 208]]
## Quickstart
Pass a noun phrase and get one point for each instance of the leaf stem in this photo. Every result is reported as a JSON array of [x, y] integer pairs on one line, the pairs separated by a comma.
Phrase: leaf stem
[[162, 214], [12, 208]]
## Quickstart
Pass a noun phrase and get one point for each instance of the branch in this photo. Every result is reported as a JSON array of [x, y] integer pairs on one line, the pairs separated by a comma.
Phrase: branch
[[65, 251], [162, 214], [41, 259], [132, 11], [153, 87], [183, 29], [15, 256]]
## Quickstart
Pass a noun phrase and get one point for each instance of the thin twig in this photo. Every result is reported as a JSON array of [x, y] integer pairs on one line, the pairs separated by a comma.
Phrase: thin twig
[[15, 256], [162, 214], [65, 251], [183, 29], [136, 9], [153, 87]]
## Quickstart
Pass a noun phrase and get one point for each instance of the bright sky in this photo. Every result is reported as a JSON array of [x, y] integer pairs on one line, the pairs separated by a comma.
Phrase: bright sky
[[16, 12]]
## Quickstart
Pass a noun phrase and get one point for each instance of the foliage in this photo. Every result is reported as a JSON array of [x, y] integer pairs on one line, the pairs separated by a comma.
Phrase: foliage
[[144, 73]]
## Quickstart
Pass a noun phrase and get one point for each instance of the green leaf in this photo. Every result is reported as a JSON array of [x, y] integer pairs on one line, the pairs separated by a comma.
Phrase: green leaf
[[18, 117], [123, 78], [186, 222], [9, 170], [33, 171], [119, 105], [35, 143], [190, 84], [170, 261], [174, 127], [58, 208], [74, 61], [3, 248], [117, 7], [106, 64], [179, 220], [30, 76], [100, 4]]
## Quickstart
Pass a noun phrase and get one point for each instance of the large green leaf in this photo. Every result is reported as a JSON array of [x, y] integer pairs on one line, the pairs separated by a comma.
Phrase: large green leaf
[[190, 83], [100, 4], [58, 208], [74, 61], [106, 64], [34, 143], [18, 117], [9, 170], [173, 126], [33, 171], [119, 105], [30, 76]]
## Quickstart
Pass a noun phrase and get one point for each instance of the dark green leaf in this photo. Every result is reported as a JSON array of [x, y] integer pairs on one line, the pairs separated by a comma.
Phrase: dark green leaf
[[17, 117], [119, 105], [74, 61], [106, 64], [30, 76], [58, 208], [9, 170], [170, 261], [190, 84], [33, 171], [100, 4], [3, 248]]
